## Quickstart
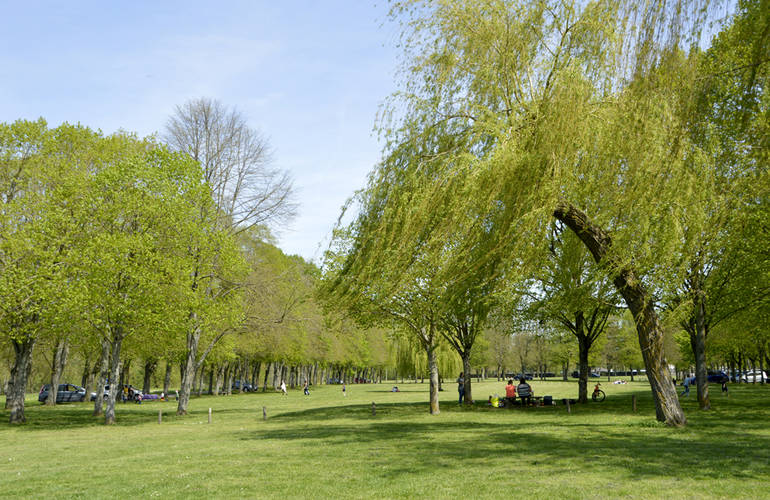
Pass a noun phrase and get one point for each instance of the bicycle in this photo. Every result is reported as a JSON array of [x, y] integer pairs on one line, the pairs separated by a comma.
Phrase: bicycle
[[598, 394]]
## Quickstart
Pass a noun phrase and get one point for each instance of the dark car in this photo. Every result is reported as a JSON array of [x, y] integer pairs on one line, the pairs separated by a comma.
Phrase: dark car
[[242, 385], [717, 377], [67, 393]]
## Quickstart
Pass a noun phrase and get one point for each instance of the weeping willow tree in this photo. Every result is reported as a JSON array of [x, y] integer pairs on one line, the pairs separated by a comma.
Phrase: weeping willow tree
[[513, 113]]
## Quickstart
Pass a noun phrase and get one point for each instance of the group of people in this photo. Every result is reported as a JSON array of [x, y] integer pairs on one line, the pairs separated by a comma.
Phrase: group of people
[[131, 394], [523, 390], [305, 388], [688, 381]]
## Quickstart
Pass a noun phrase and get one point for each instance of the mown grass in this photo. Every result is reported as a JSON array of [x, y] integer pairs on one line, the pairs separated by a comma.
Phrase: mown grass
[[330, 446]]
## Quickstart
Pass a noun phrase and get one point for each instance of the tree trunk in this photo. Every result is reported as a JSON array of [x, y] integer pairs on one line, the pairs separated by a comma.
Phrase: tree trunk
[[466, 357], [433, 367], [125, 374], [229, 380], [267, 374], [149, 369], [57, 368], [698, 344], [87, 379], [14, 398], [104, 366], [277, 372], [218, 381], [198, 379], [117, 340], [697, 329], [639, 301], [167, 379], [584, 346], [188, 372], [255, 375]]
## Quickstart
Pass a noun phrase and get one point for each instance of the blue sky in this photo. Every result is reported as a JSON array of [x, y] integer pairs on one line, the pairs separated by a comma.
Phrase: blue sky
[[309, 74]]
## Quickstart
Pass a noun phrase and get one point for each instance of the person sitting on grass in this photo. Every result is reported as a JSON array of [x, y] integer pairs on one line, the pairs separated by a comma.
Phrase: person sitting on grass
[[525, 391], [510, 392]]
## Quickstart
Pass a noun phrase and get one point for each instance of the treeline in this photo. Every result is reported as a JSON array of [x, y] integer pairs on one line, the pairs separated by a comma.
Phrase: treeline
[[121, 255]]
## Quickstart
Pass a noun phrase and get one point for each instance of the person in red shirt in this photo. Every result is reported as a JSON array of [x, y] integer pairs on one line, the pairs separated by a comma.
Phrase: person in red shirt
[[510, 392]]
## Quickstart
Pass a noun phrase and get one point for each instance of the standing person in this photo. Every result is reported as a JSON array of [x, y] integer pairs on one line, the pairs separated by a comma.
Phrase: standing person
[[686, 384], [724, 387], [306, 389], [283, 388], [344, 392], [461, 387], [524, 390]]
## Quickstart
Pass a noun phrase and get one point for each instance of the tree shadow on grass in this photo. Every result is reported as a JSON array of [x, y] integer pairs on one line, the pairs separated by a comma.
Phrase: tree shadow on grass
[[79, 415], [708, 449]]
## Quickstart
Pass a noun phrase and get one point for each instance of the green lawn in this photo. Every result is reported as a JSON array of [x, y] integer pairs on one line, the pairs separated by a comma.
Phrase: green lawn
[[327, 446]]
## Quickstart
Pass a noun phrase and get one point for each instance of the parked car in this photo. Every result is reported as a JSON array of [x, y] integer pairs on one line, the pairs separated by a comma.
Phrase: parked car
[[717, 377], [106, 393], [241, 385], [576, 374], [67, 393], [754, 376]]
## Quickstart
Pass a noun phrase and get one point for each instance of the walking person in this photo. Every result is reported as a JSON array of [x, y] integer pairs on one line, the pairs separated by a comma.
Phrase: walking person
[[724, 388], [283, 388], [686, 384], [344, 391], [306, 389], [461, 387]]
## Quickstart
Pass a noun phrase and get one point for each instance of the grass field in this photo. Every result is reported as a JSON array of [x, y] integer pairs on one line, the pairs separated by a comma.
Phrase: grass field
[[327, 446]]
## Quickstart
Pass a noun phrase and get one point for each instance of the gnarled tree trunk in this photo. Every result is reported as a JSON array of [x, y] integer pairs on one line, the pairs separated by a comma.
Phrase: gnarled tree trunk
[[639, 301]]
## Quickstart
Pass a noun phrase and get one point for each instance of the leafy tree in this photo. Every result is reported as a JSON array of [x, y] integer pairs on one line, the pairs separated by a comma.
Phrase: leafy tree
[[41, 173], [565, 110], [726, 102], [141, 213], [575, 294]]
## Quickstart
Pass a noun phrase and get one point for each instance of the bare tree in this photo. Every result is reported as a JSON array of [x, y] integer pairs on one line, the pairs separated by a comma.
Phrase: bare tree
[[247, 193], [236, 163]]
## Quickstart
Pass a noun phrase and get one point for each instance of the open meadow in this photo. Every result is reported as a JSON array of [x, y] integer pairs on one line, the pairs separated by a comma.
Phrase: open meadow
[[329, 446]]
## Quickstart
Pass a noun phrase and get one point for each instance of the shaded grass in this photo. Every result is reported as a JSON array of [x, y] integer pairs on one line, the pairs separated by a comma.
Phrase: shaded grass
[[326, 445]]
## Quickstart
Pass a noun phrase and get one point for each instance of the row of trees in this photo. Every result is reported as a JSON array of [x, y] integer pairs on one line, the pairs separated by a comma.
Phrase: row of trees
[[564, 160], [116, 249]]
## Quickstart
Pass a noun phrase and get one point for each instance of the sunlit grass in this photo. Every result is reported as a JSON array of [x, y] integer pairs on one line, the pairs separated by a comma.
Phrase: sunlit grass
[[330, 446]]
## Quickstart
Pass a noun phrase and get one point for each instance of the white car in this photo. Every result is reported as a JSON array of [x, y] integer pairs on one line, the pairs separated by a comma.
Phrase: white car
[[754, 376]]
